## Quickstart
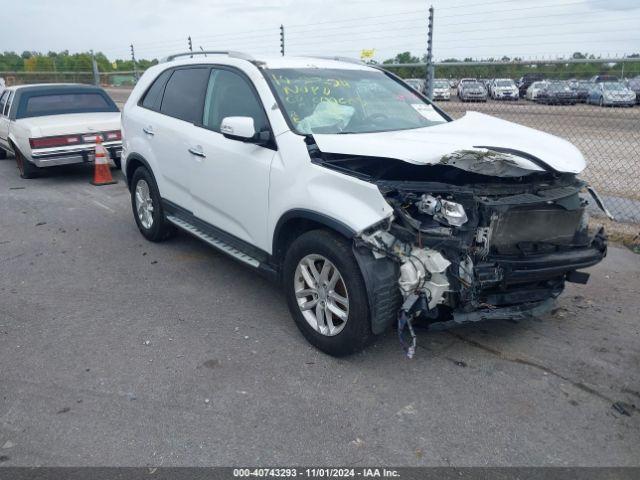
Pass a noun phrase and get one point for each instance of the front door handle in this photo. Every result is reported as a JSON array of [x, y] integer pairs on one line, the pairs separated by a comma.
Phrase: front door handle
[[197, 151], [148, 130]]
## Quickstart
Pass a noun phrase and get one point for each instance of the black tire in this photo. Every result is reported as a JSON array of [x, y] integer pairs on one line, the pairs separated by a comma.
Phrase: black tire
[[356, 334], [3, 154], [25, 167], [118, 163], [160, 229]]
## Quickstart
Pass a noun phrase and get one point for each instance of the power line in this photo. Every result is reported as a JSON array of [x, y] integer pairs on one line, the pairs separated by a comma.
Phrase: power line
[[556, 5]]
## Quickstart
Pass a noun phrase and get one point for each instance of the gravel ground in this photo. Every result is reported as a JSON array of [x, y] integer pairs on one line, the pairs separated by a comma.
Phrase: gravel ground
[[116, 351]]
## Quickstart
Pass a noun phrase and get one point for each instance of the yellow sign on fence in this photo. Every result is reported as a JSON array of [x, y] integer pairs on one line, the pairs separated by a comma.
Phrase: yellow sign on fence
[[367, 54]]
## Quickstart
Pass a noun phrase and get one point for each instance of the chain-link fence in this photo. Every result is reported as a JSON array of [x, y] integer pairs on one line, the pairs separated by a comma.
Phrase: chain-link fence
[[609, 137], [575, 108]]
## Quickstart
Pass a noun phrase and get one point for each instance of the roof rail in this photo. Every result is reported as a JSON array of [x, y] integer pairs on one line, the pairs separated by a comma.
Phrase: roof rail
[[231, 53], [339, 59]]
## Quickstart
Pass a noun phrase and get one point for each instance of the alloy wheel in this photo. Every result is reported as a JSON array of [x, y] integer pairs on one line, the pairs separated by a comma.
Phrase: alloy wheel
[[144, 204], [321, 294]]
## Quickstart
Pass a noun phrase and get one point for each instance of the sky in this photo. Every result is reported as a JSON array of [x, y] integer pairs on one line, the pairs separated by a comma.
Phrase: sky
[[462, 28]]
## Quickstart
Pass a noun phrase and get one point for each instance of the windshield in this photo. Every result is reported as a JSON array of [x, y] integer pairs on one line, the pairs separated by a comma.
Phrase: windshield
[[613, 86], [441, 84], [348, 101], [504, 83]]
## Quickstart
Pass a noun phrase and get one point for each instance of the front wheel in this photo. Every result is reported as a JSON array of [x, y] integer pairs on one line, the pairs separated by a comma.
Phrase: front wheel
[[147, 207], [326, 294]]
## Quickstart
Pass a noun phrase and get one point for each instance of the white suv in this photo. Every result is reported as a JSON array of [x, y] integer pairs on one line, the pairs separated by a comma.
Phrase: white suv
[[367, 202]]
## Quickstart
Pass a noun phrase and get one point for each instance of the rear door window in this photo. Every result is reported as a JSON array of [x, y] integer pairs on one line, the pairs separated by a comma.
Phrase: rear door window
[[184, 94]]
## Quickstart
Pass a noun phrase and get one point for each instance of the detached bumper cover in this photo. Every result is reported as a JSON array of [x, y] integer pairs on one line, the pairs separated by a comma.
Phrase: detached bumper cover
[[49, 157]]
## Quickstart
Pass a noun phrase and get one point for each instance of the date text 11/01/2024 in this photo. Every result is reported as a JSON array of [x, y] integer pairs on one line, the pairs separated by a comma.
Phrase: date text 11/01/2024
[[315, 472]]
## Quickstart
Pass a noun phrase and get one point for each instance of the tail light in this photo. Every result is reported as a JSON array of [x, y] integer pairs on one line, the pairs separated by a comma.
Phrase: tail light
[[113, 135], [58, 141], [65, 140]]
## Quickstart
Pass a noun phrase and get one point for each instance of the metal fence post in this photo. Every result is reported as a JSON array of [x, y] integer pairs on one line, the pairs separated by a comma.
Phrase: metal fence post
[[133, 59], [429, 69], [94, 68], [282, 40], [190, 44]]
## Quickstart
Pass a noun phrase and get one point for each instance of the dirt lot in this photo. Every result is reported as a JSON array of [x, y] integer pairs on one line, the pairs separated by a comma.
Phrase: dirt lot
[[116, 351]]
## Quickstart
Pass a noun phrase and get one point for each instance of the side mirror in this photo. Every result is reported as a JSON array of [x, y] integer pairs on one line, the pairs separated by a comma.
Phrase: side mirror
[[238, 128]]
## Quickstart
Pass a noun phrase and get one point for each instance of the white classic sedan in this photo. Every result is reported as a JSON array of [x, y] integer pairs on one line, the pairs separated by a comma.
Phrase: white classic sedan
[[57, 124]]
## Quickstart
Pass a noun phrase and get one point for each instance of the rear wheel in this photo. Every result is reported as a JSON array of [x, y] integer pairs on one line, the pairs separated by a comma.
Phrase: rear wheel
[[25, 167], [3, 154], [326, 294], [147, 207]]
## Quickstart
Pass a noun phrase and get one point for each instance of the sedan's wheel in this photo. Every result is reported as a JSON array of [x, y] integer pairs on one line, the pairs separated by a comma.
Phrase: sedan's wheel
[[322, 294], [25, 167], [326, 294], [147, 207]]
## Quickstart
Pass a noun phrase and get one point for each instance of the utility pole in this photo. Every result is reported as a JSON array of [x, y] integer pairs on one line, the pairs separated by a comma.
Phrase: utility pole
[[190, 44], [429, 72], [282, 40], [133, 59]]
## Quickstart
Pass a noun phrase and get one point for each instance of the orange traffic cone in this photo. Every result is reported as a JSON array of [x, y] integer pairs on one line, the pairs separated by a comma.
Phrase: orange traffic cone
[[102, 171]]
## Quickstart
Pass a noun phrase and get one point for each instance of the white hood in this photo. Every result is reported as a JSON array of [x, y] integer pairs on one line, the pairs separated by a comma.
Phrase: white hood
[[452, 141]]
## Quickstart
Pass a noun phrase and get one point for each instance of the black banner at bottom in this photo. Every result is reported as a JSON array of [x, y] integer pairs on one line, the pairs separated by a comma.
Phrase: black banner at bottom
[[396, 473]]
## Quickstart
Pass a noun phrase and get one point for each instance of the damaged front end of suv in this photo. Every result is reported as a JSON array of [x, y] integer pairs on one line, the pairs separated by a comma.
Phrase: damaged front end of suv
[[474, 236]]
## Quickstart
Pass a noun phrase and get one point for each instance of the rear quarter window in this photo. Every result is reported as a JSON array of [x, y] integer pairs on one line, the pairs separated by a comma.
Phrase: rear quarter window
[[153, 98]]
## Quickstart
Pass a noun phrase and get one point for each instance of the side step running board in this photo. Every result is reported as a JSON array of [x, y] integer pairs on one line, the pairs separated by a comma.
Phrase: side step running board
[[213, 241]]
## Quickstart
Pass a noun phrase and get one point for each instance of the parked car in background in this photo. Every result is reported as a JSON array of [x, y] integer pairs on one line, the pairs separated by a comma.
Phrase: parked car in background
[[366, 212], [610, 94], [453, 83], [604, 78], [534, 89], [418, 84], [556, 93], [472, 91], [634, 85], [504, 89], [581, 88], [441, 90], [57, 124], [526, 80]]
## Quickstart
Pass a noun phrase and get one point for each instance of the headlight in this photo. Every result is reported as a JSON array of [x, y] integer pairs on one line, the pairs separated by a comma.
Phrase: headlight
[[444, 211], [453, 212]]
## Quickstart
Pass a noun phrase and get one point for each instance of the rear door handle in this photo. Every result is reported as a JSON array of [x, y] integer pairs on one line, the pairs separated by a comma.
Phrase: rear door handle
[[197, 151], [148, 130]]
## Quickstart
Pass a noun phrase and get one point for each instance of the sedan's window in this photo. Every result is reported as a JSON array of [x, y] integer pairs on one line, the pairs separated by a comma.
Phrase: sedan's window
[[3, 101], [153, 97], [59, 103], [229, 95], [184, 94], [7, 107]]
